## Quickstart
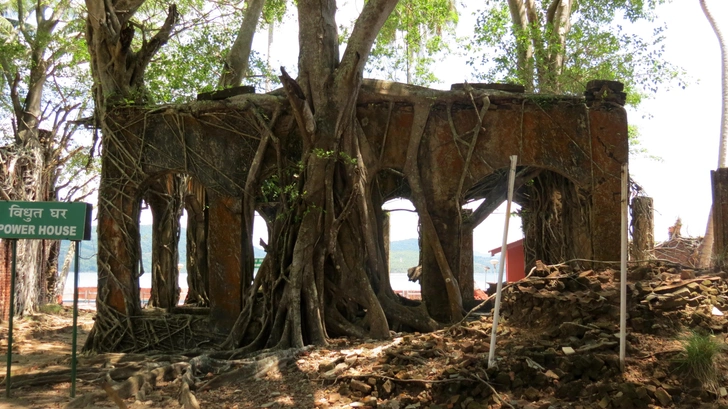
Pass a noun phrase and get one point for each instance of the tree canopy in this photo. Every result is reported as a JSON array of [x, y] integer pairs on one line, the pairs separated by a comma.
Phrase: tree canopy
[[557, 46], [45, 85], [413, 36], [146, 52]]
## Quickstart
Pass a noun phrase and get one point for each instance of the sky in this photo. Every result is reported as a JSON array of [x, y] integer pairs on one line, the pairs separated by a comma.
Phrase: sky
[[680, 126], [683, 126]]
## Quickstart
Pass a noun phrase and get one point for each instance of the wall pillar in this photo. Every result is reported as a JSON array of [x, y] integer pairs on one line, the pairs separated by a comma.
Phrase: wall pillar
[[609, 151], [719, 179], [224, 244], [385, 238], [447, 223], [466, 281], [118, 254]]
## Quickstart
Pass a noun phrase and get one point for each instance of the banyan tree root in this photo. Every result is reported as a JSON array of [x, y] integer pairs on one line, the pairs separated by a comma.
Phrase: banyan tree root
[[140, 384]]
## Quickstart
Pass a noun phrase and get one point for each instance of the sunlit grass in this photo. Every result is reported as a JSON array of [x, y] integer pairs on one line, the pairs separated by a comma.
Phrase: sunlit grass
[[698, 358]]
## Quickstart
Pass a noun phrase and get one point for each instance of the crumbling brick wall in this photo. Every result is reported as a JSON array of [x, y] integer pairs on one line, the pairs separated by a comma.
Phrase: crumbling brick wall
[[582, 140]]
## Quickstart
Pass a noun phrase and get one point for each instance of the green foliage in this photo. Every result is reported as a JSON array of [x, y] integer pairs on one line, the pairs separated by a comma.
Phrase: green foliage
[[193, 60], [597, 46], [273, 191], [348, 159], [54, 49], [52, 309], [411, 38], [697, 359], [43, 56], [345, 157], [322, 154], [274, 11]]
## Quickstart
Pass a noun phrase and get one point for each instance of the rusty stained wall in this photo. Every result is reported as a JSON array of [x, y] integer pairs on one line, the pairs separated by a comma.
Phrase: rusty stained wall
[[211, 145], [216, 141], [719, 180], [587, 143]]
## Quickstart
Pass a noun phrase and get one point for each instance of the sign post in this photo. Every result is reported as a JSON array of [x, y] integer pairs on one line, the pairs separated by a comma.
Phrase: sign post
[[44, 221], [14, 245]]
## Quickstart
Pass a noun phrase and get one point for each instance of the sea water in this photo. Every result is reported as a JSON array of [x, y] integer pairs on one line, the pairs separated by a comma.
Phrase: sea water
[[400, 282]]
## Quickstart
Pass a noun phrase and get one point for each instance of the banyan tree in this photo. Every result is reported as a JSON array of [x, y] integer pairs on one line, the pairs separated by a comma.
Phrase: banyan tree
[[317, 159]]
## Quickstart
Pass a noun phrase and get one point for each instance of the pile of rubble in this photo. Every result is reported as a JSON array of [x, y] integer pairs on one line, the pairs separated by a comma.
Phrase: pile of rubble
[[557, 347], [666, 298], [660, 297], [555, 294]]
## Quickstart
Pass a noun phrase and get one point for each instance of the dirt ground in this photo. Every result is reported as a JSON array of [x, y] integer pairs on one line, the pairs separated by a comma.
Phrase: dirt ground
[[42, 342], [557, 348]]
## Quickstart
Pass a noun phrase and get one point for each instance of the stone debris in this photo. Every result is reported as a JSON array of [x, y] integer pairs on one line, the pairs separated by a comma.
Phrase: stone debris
[[558, 343], [664, 397]]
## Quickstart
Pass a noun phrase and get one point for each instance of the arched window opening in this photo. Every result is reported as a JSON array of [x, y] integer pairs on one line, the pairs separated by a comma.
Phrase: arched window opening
[[404, 248]]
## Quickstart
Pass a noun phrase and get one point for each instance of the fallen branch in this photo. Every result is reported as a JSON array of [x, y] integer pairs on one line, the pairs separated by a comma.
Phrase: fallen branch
[[492, 389], [423, 381]]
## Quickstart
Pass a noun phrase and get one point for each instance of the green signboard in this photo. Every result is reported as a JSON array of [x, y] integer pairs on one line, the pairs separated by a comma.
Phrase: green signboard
[[45, 220], [258, 262]]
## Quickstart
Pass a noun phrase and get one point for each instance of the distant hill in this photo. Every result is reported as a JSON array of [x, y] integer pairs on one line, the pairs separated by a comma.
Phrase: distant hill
[[403, 254], [89, 249]]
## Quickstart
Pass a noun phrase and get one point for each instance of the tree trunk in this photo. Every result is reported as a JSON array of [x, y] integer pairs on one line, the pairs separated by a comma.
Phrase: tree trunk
[[558, 25], [642, 229], [29, 286], [540, 43], [25, 178], [52, 250], [524, 48], [237, 61], [165, 201], [63, 276], [705, 250], [118, 74], [327, 236], [30, 174], [555, 220], [197, 277]]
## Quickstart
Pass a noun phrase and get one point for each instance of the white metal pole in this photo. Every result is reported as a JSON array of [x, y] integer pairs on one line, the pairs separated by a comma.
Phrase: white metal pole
[[501, 265], [623, 272]]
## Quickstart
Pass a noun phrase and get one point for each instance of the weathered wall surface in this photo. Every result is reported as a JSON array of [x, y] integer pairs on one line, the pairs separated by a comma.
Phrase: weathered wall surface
[[719, 180], [216, 141]]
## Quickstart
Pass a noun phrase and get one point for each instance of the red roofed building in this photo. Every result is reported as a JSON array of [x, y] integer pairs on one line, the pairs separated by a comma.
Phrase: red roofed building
[[515, 260]]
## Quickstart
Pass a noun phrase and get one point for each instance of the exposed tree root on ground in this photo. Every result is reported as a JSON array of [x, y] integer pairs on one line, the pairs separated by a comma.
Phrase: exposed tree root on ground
[[201, 373]]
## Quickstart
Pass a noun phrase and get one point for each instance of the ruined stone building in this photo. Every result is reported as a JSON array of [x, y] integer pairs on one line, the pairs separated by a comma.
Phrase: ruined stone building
[[570, 152]]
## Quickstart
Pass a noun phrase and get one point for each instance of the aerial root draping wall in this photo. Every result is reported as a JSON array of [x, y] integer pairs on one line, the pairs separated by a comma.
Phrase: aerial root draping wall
[[463, 141]]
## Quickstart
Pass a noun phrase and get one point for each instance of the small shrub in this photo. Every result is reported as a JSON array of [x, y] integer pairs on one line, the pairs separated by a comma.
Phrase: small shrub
[[698, 357], [53, 309]]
